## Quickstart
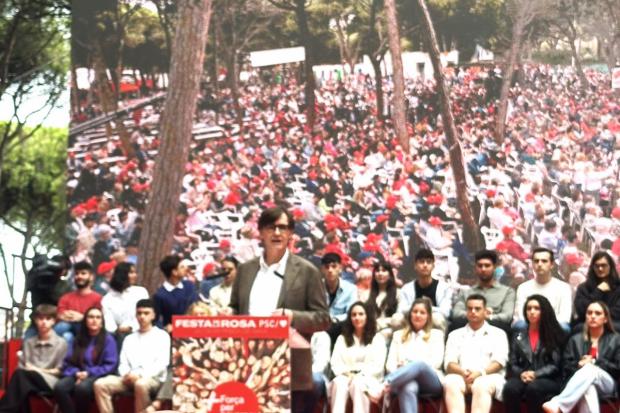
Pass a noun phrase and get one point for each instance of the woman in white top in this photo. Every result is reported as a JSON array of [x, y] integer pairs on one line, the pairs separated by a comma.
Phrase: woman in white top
[[357, 361], [415, 358], [383, 298], [119, 304]]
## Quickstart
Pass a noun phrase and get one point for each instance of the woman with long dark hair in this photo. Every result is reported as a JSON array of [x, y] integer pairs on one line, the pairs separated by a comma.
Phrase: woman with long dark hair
[[602, 284], [415, 358], [535, 358], [591, 362], [357, 361], [93, 354], [383, 296], [119, 304]]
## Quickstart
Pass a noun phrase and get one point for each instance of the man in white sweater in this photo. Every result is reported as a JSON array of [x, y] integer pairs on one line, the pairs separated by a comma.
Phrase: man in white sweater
[[556, 291], [144, 358]]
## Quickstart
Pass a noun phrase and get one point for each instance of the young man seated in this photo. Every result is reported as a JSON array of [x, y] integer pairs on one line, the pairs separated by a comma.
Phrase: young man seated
[[39, 365], [143, 362], [475, 360]]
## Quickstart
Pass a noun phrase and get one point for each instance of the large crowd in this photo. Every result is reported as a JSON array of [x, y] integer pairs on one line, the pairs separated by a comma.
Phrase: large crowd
[[382, 225]]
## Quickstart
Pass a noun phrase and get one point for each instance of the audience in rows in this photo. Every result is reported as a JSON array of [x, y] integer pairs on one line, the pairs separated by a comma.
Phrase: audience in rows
[[490, 355]]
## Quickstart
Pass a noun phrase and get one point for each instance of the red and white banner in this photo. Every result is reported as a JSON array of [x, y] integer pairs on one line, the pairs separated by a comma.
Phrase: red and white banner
[[231, 364]]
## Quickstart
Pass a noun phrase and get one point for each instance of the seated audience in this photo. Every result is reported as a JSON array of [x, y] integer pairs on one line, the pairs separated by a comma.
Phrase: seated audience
[[93, 354], [39, 364], [383, 298], [144, 360], [72, 305], [415, 358], [176, 293], [602, 284], [475, 361], [438, 291], [119, 305], [357, 361], [557, 292], [591, 364], [535, 358], [499, 299], [219, 296], [340, 294]]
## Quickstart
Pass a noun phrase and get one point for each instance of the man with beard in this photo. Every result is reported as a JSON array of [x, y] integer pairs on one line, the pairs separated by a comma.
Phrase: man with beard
[[73, 305], [500, 299]]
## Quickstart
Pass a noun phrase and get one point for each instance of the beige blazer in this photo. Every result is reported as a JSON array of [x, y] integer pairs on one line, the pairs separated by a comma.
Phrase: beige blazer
[[302, 292]]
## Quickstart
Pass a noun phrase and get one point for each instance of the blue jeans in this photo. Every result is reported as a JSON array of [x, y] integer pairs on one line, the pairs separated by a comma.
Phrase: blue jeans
[[66, 330], [410, 380]]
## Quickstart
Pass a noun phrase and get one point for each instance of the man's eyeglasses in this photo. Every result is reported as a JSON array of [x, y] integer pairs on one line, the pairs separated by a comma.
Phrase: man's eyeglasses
[[273, 227]]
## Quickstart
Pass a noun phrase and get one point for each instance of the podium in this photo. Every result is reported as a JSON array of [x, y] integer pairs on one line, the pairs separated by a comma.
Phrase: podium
[[231, 364]]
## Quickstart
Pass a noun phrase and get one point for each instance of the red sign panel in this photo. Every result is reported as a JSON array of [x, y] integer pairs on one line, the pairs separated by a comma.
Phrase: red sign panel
[[231, 364]]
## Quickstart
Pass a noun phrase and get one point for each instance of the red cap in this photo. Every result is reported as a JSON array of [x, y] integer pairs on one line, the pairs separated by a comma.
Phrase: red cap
[[105, 267], [208, 268], [435, 221]]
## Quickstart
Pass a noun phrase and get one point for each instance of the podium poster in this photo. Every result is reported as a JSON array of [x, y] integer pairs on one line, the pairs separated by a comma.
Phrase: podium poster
[[233, 364]]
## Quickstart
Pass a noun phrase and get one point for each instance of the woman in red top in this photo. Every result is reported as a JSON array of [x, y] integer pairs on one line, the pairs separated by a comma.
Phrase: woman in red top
[[535, 358]]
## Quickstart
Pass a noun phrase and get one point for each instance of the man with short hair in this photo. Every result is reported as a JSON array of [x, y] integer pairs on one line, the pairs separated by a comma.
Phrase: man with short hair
[[176, 294], [340, 294], [73, 305], [558, 292], [475, 361], [143, 362], [39, 364], [500, 299], [424, 285], [300, 297]]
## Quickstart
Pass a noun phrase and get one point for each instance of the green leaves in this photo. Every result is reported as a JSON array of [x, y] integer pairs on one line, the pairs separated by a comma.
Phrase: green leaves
[[32, 191]]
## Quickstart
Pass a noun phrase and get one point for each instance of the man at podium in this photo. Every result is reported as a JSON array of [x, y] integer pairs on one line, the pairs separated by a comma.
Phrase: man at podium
[[279, 283]]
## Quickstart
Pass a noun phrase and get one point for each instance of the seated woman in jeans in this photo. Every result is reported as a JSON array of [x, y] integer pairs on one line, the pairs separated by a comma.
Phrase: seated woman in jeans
[[535, 359], [93, 354], [592, 361], [415, 358]]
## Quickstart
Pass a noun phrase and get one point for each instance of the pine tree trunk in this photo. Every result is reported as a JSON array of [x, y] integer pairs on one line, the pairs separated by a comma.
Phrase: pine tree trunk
[[399, 115], [376, 65], [109, 102], [308, 42], [186, 69], [509, 68], [470, 226]]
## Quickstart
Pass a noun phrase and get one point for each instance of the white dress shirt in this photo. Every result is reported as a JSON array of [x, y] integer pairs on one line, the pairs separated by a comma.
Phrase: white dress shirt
[[475, 349], [266, 287]]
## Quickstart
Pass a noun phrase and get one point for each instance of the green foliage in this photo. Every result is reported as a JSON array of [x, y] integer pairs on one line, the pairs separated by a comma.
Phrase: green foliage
[[32, 194], [145, 43]]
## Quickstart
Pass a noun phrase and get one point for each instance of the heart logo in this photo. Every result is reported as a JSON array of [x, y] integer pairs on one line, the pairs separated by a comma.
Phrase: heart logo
[[283, 323]]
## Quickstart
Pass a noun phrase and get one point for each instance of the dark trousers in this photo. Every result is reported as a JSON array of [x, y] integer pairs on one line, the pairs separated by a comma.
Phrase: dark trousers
[[83, 394], [535, 394], [23, 383]]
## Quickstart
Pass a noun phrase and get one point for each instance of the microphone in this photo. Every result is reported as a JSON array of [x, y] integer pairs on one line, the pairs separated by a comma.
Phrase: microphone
[[279, 275]]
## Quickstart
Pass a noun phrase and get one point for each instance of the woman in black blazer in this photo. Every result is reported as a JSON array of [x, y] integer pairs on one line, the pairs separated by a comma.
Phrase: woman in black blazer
[[535, 358], [591, 361]]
